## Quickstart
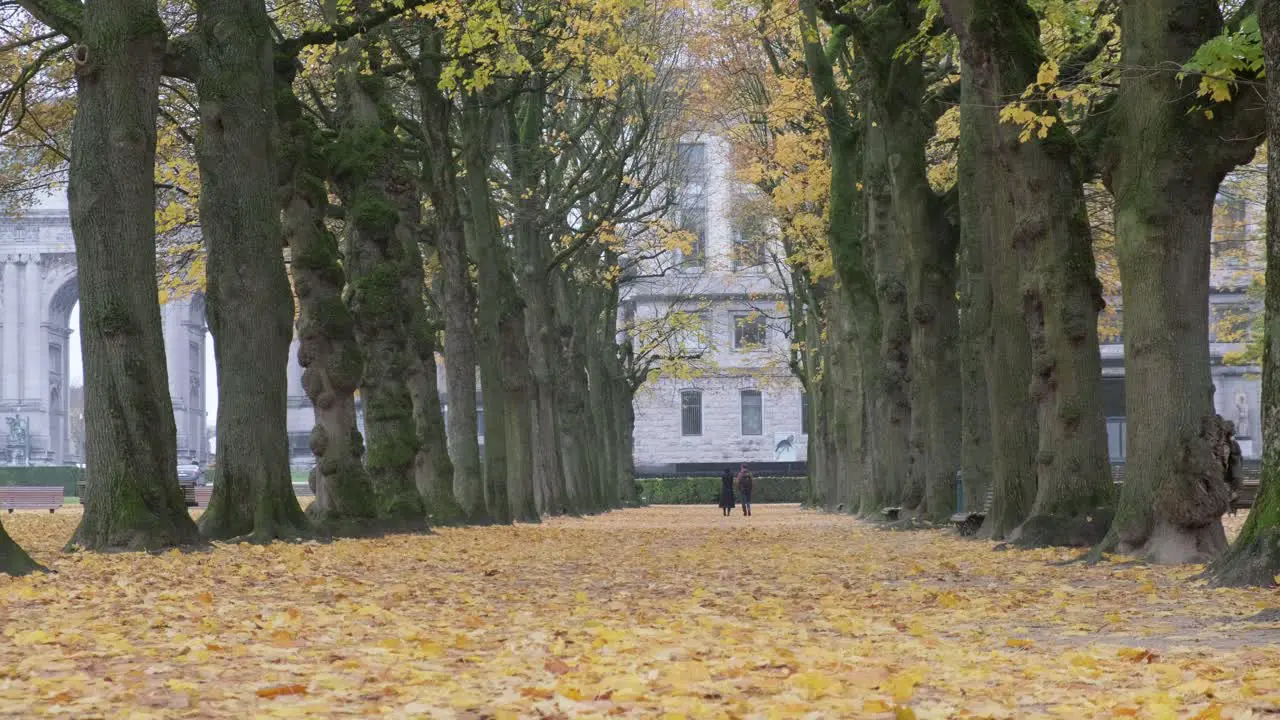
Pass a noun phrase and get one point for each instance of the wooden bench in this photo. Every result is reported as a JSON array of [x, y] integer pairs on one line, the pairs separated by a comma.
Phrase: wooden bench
[[31, 498], [200, 496], [967, 522], [303, 490]]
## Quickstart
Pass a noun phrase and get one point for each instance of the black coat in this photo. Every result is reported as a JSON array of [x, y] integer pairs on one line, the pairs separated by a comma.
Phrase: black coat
[[726, 491]]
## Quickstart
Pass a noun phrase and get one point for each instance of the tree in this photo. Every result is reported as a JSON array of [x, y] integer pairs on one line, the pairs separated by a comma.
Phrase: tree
[[1037, 232], [1164, 163], [249, 299], [1254, 559], [911, 221], [372, 180], [327, 350], [13, 559], [133, 501]]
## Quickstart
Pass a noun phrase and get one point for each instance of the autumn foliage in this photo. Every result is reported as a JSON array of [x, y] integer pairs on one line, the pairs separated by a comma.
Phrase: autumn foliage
[[633, 614]]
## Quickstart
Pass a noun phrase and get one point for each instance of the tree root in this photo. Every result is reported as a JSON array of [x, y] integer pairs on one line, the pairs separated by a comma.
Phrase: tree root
[[1076, 531], [1255, 563]]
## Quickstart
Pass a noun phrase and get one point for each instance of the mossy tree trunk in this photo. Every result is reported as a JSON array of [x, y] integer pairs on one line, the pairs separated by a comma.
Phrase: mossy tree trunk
[[369, 170], [899, 439], [13, 559], [327, 350], [847, 227], [975, 329], [988, 209], [432, 466], [250, 304], [132, 501], [1039, 182], [1164, 168], [518, 396], [458, 302], [900, 125], [1254, 559]]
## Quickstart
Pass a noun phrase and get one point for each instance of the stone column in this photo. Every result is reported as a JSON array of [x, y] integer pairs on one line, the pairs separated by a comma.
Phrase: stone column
[[35, 365], [9, 341]]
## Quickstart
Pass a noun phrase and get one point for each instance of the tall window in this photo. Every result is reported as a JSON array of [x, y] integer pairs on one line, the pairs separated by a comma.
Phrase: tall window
[[693, 220], [691, 412], [752, 413], [691, 161], [749, 331], [804, 413]]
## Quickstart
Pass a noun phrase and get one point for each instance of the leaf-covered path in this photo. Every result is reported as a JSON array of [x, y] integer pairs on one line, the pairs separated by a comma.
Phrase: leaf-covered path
[[637, 613]]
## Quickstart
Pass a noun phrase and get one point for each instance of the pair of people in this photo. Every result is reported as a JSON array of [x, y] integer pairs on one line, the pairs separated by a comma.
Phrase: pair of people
[[745, 482]]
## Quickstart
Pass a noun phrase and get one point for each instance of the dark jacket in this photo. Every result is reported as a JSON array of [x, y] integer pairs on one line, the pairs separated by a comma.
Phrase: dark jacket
[[745, 483], [726, 490]]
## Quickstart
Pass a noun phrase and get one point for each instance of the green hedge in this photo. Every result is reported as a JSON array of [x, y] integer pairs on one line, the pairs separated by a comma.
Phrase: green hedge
[[706, 490], [66, 476]]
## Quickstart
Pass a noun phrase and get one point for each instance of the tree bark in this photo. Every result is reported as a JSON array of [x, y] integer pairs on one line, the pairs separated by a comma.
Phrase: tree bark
[[13, 559], [525, 127], [1048, 237], [496, 292], [899, 438], [975, 330], [518, 396], [327, 350], [369, 173], [132, 501], [1165, 166], [459, 303], [900, 129], [847, 226], [249, 299], [432, 466], [1254, 559]]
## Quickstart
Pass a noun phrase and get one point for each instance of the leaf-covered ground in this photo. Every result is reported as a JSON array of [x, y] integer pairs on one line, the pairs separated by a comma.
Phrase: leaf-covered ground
[[642, 613]]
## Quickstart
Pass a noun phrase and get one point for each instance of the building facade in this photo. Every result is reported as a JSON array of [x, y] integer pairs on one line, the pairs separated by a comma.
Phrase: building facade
[[714, 306], [38, 292]]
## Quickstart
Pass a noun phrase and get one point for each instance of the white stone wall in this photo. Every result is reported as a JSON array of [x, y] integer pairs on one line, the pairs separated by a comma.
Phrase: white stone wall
[[659, 441]]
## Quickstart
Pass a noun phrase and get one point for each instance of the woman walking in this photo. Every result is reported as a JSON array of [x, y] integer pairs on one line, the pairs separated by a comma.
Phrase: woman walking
[[726, 492]]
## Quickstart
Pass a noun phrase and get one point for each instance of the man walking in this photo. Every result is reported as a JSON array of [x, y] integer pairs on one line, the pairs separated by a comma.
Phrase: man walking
[[745, 484]]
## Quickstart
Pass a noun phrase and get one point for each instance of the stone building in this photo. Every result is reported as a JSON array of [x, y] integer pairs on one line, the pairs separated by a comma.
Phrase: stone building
[[38, 291], [737, 400]]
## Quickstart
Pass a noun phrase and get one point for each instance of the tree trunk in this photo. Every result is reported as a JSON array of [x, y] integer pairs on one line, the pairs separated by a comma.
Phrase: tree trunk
[[993, 62], [432, 467], [368, 173], [975, 329], [900, 129], [517, 391], [132, 501], [1254, 559], [1164, 173], [13, 559], [525, 128], [496, 290], [1060, 295], [249, 299], [847, 226], [459, 301], [899, 438], [327, 350]]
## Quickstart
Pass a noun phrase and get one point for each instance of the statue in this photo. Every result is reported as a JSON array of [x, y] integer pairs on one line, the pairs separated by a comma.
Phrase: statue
[[17, 431], [18, 440], [1242, 416]]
